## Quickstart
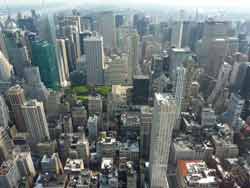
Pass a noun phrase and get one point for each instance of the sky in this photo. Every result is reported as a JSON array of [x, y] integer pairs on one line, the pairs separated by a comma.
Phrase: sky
[[193, 3]]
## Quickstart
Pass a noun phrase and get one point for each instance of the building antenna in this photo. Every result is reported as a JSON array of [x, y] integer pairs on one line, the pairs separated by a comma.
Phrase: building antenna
[[7, 7]]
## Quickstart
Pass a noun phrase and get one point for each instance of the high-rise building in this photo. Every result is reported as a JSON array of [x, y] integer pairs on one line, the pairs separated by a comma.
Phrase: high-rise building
[[44, 56], [35, 120], [6, 68], [63, 68], [93, 48], [15, 98], [82, 36], [133, 51], [16, 49], [106, 27], [222, 81], [6, 145], [140, 90], [4, 113], [34, 87], [164, 118], [145, 130], [176, 34], [93, 127], [179, 92]]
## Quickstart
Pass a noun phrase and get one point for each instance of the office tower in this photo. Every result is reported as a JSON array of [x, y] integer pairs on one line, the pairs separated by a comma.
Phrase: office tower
[[93, 48], [93, 127], [176, 34], [82, 36], [17, 51], [44, 56], [140, 90], [145, 130], [6, 145], [34, 87], [222, 81], [179, 92], [177, 57], [213, 46], [15, 98], [133, 51], [141, 23], [235, 107], [106, 27], [6, 68], [35, 121], [63, 68], [71, 54], [4, 113], [164, 116]]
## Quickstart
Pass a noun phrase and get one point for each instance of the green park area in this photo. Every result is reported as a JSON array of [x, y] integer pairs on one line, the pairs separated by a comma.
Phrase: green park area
[[82, 91]]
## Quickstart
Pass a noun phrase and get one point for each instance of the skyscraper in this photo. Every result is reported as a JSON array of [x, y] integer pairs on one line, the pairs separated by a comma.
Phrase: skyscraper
[[164, 116], [44, 56], [35, 120], [4, 113], [93, 48], [6, 145], [133, 51], [106, 27], [140, 90], [15, 97], [63, 68], [5, 68], [179, 92]]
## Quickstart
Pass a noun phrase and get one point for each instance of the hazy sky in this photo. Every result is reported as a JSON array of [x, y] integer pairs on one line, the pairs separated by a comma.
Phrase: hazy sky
[[195, 3]]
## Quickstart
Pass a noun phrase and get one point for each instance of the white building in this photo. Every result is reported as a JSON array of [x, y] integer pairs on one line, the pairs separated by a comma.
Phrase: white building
[[63, 68], [35, 120], [93, 48], [179, 92], [164, 119]]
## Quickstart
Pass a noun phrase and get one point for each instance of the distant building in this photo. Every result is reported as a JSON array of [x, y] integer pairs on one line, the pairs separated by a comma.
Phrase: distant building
[[93, 48], [6, 68], [106, 27], [51, 164]]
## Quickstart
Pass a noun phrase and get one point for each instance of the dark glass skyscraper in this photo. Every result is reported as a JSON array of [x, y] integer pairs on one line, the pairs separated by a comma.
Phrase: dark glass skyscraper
[[140, 89], [44, 56]]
